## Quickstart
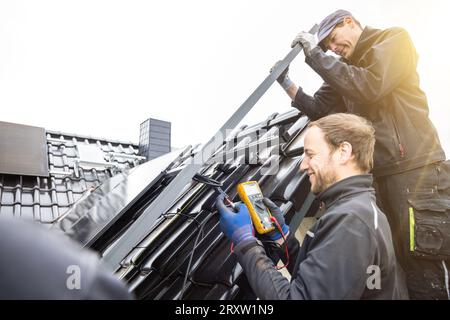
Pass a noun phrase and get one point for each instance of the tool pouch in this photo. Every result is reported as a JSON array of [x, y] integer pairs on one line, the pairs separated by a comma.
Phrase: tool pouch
[[429, 226]]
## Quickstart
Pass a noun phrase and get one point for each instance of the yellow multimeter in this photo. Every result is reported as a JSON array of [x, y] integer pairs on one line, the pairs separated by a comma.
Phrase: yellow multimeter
[[251, 195]]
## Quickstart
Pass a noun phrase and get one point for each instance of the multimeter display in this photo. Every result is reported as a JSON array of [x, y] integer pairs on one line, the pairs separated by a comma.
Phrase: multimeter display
[[251, 195], [252, 190]]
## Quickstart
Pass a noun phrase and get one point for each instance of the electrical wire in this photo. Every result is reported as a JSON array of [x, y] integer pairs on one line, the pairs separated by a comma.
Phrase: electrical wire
[[285, 244], [207, 182], [189, 216], [188, 269], [200, 226]]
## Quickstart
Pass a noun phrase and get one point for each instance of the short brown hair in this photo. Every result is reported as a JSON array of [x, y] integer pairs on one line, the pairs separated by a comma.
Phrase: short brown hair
[[343, 127]]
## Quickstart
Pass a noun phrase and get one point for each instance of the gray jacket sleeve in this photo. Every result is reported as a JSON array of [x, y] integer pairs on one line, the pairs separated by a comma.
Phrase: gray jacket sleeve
[[324, 102], [334, 266]]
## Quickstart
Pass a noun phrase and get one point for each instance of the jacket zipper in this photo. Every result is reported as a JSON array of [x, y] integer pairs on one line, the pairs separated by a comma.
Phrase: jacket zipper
[[400, 146]]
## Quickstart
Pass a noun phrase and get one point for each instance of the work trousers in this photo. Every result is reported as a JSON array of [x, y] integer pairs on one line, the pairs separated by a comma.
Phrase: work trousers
[[417, 204]]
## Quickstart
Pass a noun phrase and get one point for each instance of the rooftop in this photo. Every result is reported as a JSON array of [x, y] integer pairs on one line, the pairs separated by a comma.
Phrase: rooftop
[[71, 176]]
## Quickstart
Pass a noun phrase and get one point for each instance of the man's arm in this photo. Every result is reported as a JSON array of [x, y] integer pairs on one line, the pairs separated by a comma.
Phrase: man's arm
[[325, 101], [392, 60], [335, 266], [292, 91]]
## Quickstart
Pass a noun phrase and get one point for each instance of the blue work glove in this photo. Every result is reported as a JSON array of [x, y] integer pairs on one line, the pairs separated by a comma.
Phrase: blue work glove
[[278, 215], [237, 226]]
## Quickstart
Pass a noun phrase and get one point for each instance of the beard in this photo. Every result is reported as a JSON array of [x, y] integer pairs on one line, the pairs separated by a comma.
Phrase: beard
[[323, 179]]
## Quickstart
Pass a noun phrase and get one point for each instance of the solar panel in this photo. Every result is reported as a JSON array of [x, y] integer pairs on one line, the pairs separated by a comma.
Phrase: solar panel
[[23, 150]]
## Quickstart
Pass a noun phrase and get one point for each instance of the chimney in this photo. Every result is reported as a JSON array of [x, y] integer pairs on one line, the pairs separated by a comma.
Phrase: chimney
[[154, 138]]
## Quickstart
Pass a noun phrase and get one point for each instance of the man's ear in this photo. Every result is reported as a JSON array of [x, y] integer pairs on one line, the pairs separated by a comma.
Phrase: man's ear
[[345, 152], [349, 20]]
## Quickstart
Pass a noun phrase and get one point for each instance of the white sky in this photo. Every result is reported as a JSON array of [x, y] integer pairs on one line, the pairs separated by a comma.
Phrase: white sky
[[100, 68]]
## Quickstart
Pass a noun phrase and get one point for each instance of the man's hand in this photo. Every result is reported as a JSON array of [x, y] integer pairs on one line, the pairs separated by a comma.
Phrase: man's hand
[[278, 215], [285, 82], [306, 40], [237, 226], [283, 79]]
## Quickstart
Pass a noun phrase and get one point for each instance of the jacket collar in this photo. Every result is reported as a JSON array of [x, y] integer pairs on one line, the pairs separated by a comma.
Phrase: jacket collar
[[365, 42], [346, 187]]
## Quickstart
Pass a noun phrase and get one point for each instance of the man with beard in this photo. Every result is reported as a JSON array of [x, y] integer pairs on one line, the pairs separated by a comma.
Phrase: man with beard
[[348, 253]]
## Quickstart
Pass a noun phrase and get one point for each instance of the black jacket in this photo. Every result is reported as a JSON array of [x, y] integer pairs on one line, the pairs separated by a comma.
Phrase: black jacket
[[37, 264], [339, 255], [380, 83]]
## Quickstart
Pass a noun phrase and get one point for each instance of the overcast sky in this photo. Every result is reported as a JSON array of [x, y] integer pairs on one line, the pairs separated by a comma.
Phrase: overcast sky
[[100, 68]]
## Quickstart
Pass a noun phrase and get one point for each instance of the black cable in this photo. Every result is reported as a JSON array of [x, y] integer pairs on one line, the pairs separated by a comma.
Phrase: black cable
[[284, 242], [212, 183], [183, 215], [188, 269], [199, 225]]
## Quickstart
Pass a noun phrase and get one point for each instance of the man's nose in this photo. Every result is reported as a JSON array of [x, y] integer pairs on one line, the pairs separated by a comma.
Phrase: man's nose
[[304, 165]]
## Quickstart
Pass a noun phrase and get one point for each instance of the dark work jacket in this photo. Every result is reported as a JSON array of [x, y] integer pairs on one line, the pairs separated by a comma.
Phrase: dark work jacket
[[35, 263], [381, 84], [343, 253]]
